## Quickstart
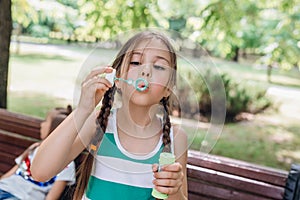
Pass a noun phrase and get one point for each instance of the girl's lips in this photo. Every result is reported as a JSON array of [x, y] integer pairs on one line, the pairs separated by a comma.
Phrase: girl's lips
[[141, 85]]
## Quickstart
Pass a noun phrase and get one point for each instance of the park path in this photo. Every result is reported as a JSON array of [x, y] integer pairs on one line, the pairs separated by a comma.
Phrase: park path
[[288, 98]]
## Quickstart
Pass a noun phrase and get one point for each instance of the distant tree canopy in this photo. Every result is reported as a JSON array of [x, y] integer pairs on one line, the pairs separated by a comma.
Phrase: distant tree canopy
[[225, 28]]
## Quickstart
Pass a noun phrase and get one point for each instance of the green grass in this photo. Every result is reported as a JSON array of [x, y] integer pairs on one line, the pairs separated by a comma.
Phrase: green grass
[[34, 104], [267, 144], [40, 80]]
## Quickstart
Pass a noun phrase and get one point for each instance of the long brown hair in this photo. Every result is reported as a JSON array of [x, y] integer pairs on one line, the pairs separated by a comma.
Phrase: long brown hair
[[124, 55]]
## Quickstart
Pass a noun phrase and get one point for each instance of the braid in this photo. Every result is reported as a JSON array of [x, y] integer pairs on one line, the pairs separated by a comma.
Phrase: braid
[[102, 119], [166, 126], [87, 164]]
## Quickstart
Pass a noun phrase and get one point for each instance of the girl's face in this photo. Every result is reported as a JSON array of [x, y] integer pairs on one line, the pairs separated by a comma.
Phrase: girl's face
[[45, 128], [151, 61]]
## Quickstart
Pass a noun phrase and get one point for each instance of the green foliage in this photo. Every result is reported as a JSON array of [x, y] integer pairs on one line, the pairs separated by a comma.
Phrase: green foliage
[[106, 19], [240, 97], [281, 47], [224, 28], [37, 30]]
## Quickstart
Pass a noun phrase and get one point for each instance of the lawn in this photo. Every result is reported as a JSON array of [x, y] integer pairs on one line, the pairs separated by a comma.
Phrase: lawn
[[45, 76]]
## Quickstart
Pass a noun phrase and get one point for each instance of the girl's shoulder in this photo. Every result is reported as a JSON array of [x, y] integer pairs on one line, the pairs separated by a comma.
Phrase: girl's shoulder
[[180, 142], [178, 131]]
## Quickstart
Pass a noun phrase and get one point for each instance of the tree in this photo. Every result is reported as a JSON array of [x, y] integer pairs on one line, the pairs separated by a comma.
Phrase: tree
[[5, 33], [280, 43], [106, 19], [226, 27]]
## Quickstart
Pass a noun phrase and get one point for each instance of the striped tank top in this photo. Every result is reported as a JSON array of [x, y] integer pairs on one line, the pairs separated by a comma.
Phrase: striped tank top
[[118, 174]]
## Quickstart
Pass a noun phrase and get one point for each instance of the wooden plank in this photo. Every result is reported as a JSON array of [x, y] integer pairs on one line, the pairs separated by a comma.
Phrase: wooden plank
[[235, 182], [16, 139], [208, 191], [192, 196], [23, 129], [4, 167], [240, 168], [17, 117], [19, 123]]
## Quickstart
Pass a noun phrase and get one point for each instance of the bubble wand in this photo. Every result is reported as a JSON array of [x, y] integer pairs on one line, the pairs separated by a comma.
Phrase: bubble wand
[[165, 158], [139, 84]]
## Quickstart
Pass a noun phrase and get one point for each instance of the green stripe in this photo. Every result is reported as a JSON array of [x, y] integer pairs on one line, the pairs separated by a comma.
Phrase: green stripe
[[100, 189], [109, 148]]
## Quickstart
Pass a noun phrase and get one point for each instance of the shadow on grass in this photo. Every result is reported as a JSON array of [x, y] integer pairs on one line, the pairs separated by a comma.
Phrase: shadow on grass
[[36, 58]]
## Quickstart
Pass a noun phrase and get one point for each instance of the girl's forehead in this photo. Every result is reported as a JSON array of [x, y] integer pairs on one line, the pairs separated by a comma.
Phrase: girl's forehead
[[152, 44]]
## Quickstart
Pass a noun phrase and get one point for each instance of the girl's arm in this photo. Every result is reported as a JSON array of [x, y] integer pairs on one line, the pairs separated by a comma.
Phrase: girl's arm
[[172, 179], [74, 133], [63, 145]]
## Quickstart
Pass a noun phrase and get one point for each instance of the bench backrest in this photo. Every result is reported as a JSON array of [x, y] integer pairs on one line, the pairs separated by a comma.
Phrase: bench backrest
[[17, 132], [216, 177]]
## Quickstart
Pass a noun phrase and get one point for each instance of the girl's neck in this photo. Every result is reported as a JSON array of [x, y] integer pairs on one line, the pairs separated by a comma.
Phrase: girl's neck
[[137, 120]]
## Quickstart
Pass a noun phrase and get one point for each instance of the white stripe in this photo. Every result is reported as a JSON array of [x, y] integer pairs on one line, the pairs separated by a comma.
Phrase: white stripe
[[112, 127], [123, 171], [84, 197], [172, 140]]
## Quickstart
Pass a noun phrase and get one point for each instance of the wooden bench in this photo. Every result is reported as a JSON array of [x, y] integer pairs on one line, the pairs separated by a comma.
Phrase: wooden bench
[[17, 132], [209, 176], [216, 177]]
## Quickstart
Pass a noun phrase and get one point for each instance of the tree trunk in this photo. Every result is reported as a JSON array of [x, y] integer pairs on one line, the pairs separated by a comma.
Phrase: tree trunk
[[5, 33], [269, 73], [236, 54]]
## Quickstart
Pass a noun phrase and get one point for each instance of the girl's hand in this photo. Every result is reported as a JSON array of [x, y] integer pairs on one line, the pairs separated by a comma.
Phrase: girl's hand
[[93, 88], [169, 179]]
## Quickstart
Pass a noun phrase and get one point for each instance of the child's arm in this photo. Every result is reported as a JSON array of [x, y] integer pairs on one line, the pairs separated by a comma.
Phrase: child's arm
[[10, 172], [74, 133], [172, 179], [56, 190], [19, 158]]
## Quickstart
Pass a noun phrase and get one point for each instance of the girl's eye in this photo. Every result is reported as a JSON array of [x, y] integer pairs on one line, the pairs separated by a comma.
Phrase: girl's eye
[[135, 63], [158, 67]]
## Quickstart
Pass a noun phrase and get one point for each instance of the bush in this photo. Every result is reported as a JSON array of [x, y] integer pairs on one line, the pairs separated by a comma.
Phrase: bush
[[240, 97], [37, 30]]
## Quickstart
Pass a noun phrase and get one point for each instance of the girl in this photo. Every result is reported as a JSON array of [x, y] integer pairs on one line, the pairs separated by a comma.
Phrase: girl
[[18, 183], [124, 143]]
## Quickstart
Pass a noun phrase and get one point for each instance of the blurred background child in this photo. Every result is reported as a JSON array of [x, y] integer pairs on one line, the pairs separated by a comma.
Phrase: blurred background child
[[18, 183]]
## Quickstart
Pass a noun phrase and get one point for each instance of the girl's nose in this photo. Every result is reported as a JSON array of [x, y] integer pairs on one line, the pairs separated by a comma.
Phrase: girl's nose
[[146, 71], [147, 74]]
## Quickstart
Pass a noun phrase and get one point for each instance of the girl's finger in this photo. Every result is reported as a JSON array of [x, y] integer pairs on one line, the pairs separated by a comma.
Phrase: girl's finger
[[166, 182], [167, 175], [155, 167], [176, 167], [166, 190], [96, 79], [97, 71]]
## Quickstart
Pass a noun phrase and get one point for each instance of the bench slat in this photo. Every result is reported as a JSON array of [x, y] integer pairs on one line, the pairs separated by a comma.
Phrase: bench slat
[[235, 182], [237, 167], [19, 123], [218, 193]]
